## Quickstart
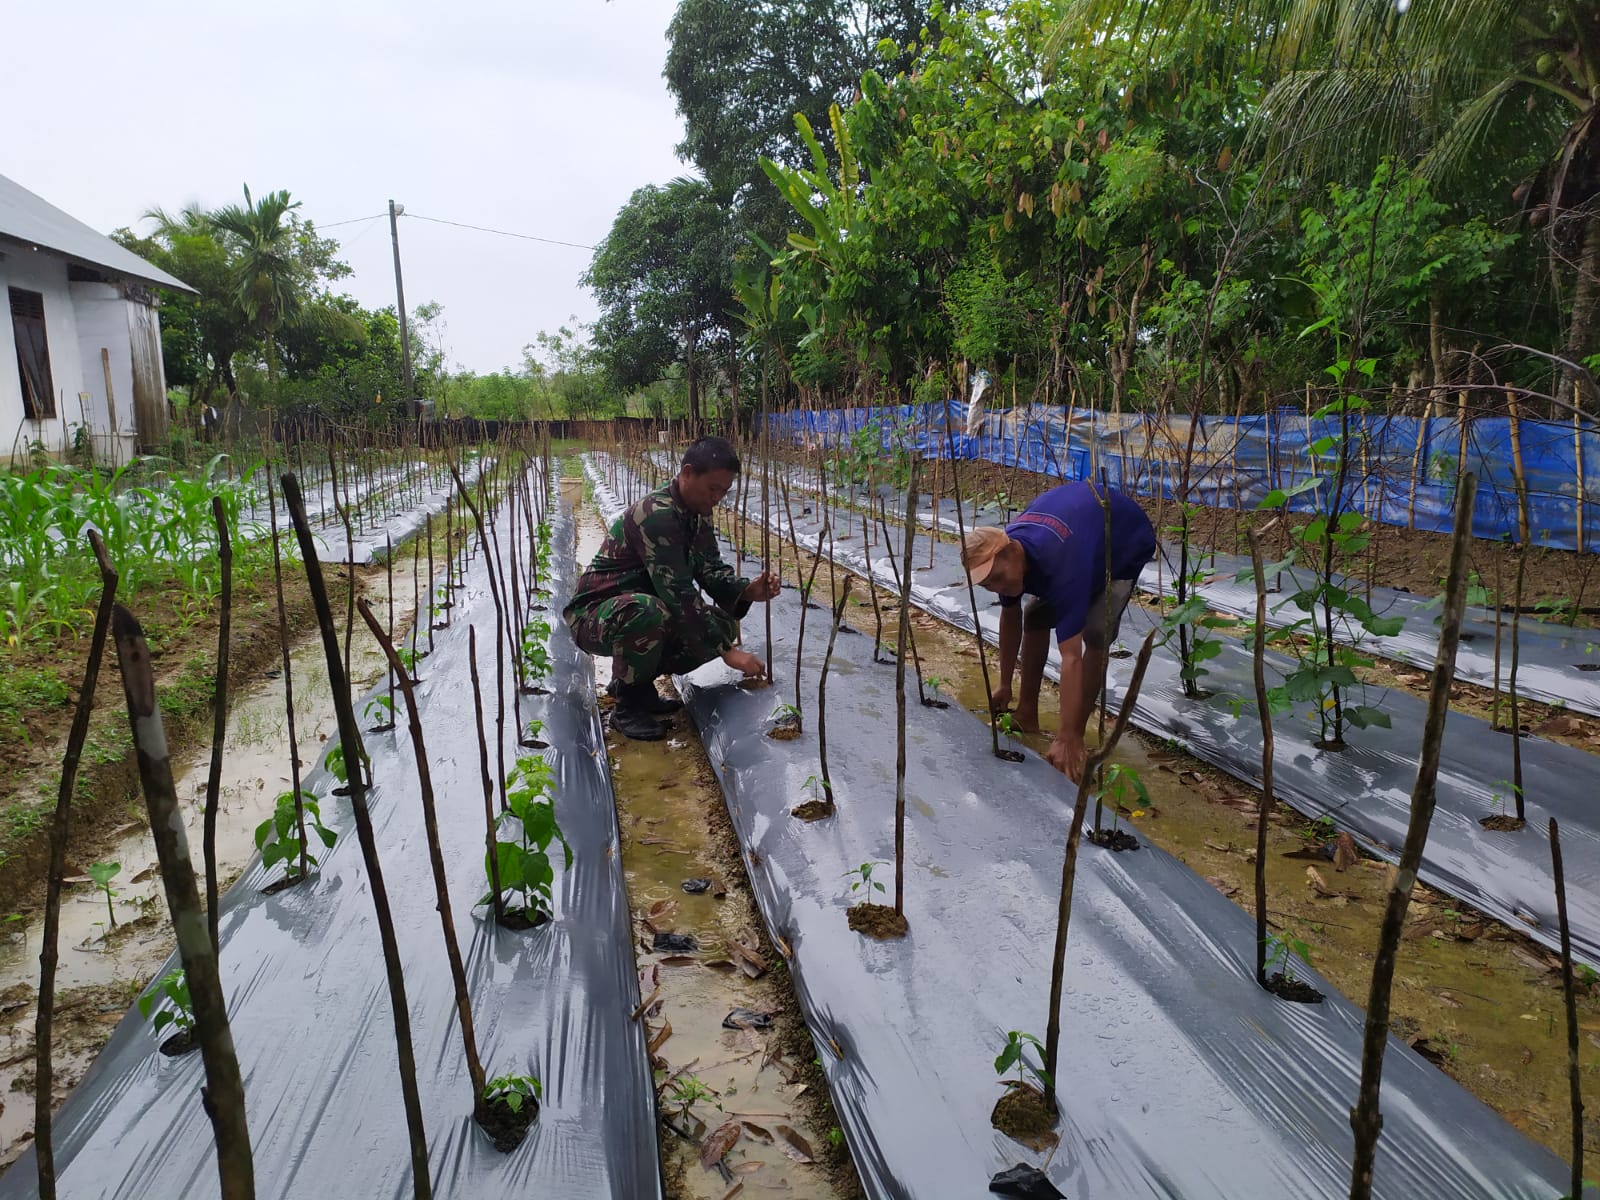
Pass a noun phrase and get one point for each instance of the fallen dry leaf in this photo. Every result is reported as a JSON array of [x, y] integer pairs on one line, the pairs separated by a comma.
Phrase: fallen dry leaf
[[792, 1144], [757, 1132], [1448, 1000], [1562, 725], [746, 1168], [718, 1142], [660, 1036], [1345, 853], [1222, 885]]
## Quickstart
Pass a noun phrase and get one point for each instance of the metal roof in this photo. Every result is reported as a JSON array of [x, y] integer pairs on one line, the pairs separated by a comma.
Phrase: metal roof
[[34, 221]]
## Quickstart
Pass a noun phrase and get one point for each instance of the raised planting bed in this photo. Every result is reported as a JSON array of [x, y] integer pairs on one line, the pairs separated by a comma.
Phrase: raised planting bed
[[1364, 788], [1179, 1076], [1559, 664], [304, 977]]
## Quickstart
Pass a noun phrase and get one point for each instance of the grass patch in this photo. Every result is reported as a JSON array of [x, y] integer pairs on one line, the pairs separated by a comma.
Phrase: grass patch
[[25, 690]]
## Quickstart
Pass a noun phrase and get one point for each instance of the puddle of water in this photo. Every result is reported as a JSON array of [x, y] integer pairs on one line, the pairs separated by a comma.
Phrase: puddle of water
[[673, 824], [98, 977]]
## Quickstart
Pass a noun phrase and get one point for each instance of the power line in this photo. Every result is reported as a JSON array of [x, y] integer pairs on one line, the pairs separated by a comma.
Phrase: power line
[[351, 221], [527, 237]]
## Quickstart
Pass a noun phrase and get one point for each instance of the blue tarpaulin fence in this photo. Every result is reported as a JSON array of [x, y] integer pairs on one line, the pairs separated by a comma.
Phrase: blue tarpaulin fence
[[1401, 471]]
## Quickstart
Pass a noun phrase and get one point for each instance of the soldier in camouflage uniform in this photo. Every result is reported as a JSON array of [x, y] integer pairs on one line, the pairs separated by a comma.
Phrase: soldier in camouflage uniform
[[640, 599]]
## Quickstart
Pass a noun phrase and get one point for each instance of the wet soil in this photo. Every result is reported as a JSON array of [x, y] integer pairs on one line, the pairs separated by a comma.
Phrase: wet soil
[[1476, 998], [877, 921], [764, 1082], [1023, 1115], [1298, 991], [1502, 823], [507, 1129], [103, 970], [1112, 839], [812, 810]]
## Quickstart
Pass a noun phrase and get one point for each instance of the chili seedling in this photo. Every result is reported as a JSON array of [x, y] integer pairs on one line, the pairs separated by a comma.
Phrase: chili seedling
[[174, 989], [862, 877], [1015, 1054], [278, 837], [513, 1090]]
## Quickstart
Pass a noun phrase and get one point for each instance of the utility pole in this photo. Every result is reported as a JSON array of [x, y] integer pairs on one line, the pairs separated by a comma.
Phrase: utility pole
[[395, 211]]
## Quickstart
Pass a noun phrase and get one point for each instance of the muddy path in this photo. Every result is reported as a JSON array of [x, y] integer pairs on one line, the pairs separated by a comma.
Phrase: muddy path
[[1476, 998], [729, 1045]]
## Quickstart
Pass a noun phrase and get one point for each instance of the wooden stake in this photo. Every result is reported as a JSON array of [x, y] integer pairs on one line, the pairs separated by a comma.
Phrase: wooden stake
[[219, 723], [441, 885], [1365, 1119], [1568, 994], [44, 1069], [1069, 864], [223, 1095], [1259, 652], [907, 538], [350, 737]]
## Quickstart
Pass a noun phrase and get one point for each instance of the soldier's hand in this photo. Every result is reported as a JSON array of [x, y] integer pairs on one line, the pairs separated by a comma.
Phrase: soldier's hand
[[743, 660], [763, 587]]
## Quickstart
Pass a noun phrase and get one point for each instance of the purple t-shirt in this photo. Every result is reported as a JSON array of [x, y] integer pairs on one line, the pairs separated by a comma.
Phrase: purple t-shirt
[[1064, 533]]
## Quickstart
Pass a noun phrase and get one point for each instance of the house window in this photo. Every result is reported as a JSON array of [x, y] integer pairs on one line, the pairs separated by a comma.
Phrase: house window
[[33, 355]]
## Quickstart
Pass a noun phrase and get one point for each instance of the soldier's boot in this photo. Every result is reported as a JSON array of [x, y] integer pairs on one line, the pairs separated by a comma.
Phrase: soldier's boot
[[653, 703], [631, 717]]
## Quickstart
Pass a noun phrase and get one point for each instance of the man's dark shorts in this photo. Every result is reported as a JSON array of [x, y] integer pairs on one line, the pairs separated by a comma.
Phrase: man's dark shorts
[[1105, 614]]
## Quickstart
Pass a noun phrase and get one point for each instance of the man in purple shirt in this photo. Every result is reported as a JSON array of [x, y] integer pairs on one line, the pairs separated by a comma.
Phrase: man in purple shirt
[[1077, 551]]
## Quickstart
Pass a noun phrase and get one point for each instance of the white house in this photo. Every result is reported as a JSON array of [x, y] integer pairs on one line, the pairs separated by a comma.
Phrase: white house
[[80, 339]]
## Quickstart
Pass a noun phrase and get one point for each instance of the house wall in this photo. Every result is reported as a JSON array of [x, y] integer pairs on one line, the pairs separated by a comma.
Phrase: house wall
[[43, 273], [103, 319]]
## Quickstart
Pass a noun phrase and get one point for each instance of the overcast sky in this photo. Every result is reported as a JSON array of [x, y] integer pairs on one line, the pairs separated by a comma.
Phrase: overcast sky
[[533, 116]]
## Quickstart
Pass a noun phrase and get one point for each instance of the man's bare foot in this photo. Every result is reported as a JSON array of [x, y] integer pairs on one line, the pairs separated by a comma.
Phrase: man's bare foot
[[1026, 720]]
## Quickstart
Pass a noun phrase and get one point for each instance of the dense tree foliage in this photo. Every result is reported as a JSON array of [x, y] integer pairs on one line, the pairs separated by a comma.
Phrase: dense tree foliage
[[1140, 205]]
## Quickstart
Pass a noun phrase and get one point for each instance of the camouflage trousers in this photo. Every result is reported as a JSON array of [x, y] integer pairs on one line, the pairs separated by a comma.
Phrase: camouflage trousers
[[633, 629]]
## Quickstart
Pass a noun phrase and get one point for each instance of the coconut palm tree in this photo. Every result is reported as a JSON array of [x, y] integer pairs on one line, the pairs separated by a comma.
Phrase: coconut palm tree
[[271, 290]]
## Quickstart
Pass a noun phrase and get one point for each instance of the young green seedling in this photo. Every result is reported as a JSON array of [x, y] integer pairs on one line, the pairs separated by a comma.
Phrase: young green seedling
[[1124, 789], [102, 873], [174, 988], [513, 1090], [862, 877], [1015, 1054], [278, 837], [1282, 950], [523, 866]]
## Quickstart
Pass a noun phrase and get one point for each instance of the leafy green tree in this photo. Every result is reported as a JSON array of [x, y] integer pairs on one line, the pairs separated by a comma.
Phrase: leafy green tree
[[663, 280], [740, 73]]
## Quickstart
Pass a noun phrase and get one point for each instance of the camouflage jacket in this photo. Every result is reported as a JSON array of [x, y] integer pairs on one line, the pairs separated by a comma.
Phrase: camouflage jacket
[[658, 546]]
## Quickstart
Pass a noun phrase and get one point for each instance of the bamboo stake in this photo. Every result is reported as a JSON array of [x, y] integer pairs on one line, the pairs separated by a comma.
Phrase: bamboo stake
[[1268, 747], [219, 723], [1069, 865], [1365, 1119], [907, 538], [44, 1069], [822, 691], [223, 1095], [288, 677], [493, 854], [441, 884], [350, 736], [499, 639], [1520, 479], [1568, 995]]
